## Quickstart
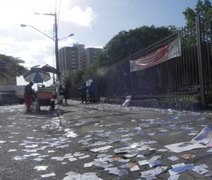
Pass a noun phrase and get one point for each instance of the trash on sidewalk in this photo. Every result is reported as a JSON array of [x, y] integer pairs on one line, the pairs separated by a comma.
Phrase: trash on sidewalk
[[184, 146], [202, 140], [70, 133], [201, 169], [117, 171], [173, 158], [174, 177], [48, 175], [179, 168], [100, 149], [40, 168], [86, 176], [205, 136], [152, 173], [127, 101], [188, 156]]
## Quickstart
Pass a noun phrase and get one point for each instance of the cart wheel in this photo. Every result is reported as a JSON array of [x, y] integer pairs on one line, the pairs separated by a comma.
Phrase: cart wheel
[[52, 105]]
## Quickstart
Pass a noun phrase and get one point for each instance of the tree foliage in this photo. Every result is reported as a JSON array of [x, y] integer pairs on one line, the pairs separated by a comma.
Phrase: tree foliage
[[202, 8], [129, 42], [118, 48], [10, 67]]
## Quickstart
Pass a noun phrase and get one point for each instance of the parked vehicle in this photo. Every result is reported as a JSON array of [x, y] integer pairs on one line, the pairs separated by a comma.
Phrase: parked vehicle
[[9, 98]]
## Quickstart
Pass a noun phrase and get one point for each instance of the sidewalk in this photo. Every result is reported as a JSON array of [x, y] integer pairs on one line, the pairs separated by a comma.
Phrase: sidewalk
[[132, 142]]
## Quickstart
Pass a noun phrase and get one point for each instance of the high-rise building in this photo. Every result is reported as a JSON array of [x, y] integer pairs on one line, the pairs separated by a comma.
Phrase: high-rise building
[[77, 57], [81, 55], [68, 59]]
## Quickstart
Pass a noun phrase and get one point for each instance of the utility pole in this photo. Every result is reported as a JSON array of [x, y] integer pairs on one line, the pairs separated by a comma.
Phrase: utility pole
[[56, 46], [55, 39]]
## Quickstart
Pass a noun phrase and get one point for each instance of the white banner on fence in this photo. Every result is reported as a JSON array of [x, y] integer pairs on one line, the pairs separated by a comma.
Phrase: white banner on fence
[[169, 51]]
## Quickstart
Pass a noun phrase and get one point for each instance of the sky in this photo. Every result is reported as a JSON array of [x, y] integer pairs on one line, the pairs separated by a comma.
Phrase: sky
[[93, 23]]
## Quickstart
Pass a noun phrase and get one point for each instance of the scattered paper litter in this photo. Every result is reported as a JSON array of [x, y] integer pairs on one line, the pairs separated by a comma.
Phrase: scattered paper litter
[[117, 171], [201, 169], [40, 168], [210, 150], [38, 159], [179, 168], [143, 162], [58, 158], [12, 150], [134, 168], [70, 133], [104, 148], [152, 173], [48, 175], [83, 157], [77, 176], [18, 158], [184, 146], [173, 158], [188, 156], [174, 177], [72, 159], [88, 164], [51, 151]]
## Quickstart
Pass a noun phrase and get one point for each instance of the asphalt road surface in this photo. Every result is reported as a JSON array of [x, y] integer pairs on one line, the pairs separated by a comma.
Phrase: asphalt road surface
[[102, 141]]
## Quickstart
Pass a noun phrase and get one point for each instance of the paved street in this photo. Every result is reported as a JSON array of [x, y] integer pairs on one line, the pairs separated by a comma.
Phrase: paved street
[[102, 141]]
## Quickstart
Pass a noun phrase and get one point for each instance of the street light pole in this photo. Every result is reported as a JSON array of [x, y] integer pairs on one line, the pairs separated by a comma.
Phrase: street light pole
[[25, 25], [55, 38], [56, 47]]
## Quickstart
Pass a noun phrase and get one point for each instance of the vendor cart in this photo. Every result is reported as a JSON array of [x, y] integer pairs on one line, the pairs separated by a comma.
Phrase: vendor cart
[[45, 97]]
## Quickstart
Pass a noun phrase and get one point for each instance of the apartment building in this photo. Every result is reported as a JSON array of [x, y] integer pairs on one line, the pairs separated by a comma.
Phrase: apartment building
[[77, 57], [68, 59]]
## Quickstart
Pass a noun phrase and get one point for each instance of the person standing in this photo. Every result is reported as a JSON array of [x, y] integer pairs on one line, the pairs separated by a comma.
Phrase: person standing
[[91, 90], [61, 94], [66, 94], [83, 93], [28, 95]]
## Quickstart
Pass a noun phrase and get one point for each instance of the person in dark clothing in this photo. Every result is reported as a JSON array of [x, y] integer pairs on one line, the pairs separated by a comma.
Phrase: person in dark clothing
[[91, 90], [61, 93], [66, 94], [28, 96], [83, 93]]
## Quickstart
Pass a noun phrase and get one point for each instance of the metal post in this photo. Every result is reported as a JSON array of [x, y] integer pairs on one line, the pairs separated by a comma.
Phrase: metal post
[[131, 76], [56, 47], [200, 63]]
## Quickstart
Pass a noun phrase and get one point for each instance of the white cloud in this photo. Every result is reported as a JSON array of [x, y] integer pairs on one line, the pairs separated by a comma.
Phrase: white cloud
[[31, 46], [77, 15], [13, 13], [32, 52]]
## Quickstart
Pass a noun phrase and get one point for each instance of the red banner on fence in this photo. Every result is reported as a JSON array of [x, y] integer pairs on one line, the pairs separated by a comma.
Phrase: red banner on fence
[[169, 51]]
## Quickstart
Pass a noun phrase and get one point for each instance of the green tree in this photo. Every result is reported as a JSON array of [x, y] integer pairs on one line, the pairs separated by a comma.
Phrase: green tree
[[132, 41], [10, 67], [202, 8]]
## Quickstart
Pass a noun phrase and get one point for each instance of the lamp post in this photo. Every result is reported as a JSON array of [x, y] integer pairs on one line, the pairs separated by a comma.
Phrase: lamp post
[[55, 38]]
